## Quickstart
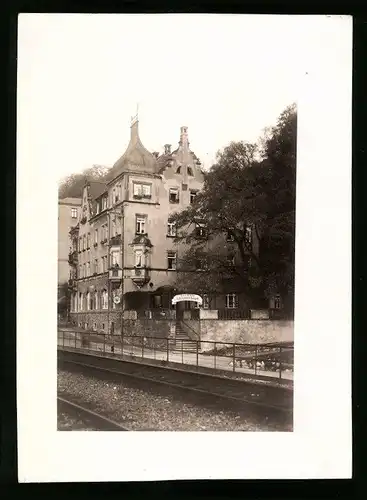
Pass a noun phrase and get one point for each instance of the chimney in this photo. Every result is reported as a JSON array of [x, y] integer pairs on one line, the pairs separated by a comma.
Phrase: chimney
[[167, 149], [184, 137]]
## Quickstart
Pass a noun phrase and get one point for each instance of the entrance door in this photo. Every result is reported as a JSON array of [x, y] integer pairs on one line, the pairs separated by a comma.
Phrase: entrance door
[[180, 308]]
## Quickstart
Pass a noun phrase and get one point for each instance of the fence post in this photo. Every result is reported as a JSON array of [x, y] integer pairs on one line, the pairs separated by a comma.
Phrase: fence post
[[234, 358], [63, 338], [255, 359], [142, 347], [181, 352], [197, 355], [104, 344], [215, 356], [75, 339], [280, 362], [167, 346]]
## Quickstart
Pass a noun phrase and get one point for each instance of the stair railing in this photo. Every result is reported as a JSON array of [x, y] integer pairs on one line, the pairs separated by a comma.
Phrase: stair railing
[[196, 334]]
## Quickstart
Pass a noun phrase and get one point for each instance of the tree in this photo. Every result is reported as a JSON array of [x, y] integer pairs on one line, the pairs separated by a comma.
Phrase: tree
[[72, 185], [249, 196]]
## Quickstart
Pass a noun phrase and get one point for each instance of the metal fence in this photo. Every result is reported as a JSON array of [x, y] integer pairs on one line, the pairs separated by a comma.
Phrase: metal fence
[[261, 360]]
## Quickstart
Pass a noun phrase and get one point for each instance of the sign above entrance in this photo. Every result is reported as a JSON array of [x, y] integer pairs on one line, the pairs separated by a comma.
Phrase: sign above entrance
[[189, 297]]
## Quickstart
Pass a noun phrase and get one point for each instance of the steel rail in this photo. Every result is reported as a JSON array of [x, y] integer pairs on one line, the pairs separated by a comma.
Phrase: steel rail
[[106, 422]]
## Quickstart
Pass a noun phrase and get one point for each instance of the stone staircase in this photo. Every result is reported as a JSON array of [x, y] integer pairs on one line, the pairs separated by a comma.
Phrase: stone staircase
[[181, 341]]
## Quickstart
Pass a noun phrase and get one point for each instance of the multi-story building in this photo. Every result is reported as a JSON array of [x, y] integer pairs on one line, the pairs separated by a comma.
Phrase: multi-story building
[[68, 217], [123, 253]]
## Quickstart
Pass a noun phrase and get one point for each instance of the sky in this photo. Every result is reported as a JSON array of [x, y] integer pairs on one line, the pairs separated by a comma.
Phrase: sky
[[81, 77]]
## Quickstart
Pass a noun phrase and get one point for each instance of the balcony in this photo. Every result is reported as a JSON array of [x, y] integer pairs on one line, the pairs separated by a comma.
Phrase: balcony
[[73, 258], [115, 240], [115, 274], [140, 275]]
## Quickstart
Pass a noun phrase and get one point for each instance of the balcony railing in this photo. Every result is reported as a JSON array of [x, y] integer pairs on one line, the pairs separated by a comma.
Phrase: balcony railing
[[233, 313]]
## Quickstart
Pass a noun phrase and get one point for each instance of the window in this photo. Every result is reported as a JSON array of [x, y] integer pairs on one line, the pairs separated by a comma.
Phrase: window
[[80, 271], [230, 236], [200, 230], [104, 264], [80, 301], [157, 301], [80, 244], [189, 171], [96, 236], [104, 300], [173, 195], [115, 259], [192, 196], [88, 268], [231, 301], [88, 301], [139, 258], [104, 203], [84, 275], [178, 171], [200, 264], [74, 213], [104, 233], [140, 224], [94, 326], [277, 302], [95, 266], [206, 302], [88, 240], [142, 190], [118, 191], [171, 261], [171, 229], [96, 301]]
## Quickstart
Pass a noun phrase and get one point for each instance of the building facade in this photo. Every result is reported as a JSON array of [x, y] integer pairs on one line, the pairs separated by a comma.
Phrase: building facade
[[68, 218], [123, 257]]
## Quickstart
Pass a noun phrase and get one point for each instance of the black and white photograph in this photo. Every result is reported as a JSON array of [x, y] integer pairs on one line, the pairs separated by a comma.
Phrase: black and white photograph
[[175, 202]]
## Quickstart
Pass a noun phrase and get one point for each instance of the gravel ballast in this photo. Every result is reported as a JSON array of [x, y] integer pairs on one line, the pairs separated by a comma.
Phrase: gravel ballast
[[66, 422], [141, 410]]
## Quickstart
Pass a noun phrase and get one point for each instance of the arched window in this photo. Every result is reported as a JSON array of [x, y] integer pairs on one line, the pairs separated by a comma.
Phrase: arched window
[[96, 300], [80, 301], [88, 301]]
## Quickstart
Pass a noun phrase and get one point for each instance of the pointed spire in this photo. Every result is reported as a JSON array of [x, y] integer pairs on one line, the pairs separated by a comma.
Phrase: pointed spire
[[135, 125]]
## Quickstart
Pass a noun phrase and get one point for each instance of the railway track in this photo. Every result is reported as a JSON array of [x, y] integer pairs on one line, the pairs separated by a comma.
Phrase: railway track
[[90, 418], [207, 389]]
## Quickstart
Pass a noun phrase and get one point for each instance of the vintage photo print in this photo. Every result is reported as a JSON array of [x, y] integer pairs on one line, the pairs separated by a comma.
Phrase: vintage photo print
[[186, 273]]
